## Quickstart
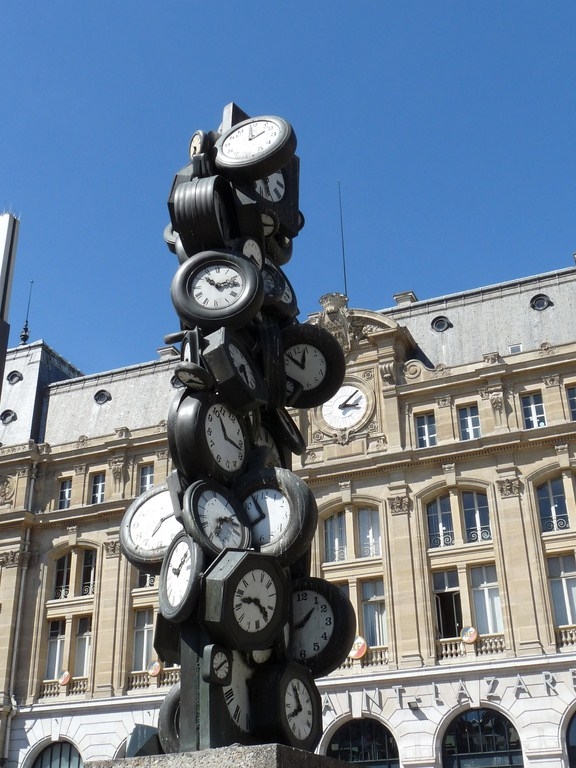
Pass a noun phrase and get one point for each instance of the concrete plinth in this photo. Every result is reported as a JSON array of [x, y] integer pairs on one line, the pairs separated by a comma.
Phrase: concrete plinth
[[263, 756]]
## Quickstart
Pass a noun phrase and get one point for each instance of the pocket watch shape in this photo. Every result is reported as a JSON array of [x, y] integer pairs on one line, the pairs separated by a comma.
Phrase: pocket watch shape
[[214, 517], [280, 510], [215, 288], [148, 527], [255, 147], [245, 601], [179, 585], [206, 437], [323, 625], [314, 359], [287, 706], [347, 408], [238, 379], [217, 664]]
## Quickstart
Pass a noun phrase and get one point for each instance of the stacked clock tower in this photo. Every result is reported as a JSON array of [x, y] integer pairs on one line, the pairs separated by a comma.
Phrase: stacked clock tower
[[230, 530]]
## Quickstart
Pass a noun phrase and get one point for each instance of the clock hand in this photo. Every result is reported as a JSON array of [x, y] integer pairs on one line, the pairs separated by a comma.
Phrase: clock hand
[[159, 524], [176, 571], [228, 440], [298, 703], [304, 620], [347, 403], [256, 601], [300, 363]]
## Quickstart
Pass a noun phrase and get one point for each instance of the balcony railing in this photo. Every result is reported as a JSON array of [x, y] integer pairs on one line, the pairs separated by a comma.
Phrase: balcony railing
[[483, 533], [452, 648], [52, 688], [167, 677], [449, 648], [566, 637], [374, 657]]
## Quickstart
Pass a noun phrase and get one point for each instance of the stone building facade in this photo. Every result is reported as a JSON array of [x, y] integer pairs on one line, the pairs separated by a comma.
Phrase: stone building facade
[[445, 487]]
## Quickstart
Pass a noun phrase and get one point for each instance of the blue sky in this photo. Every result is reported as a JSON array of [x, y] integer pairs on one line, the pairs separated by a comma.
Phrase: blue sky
[[448, 126]]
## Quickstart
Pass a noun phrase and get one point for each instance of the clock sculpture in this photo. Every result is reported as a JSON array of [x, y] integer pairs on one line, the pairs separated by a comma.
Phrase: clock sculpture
[[230, 530]]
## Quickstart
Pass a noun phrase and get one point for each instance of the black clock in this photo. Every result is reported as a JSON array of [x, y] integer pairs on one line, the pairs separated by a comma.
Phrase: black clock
[[323, 625], [214, 517], [148, 528], [245, 600], [179, 585], [280, 510], [255, 147], [287, 706], [202, 213], [215, 288], [315, 361], [278, 191], [217, 664], [206, 437], [194, 376], [279, 296]]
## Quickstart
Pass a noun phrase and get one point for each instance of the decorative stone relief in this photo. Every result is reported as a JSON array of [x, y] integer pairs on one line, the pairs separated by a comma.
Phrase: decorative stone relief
[[80, 469], [112, 548], [162, 454], [388, 373], [510, 486], [6, 489], [378, 445], [13, 558], [441, 371], [495, 396], [118, 466], [162, 426], [444, 401], [334, 318], [399, 505], [551, 381], [491, 358], [122, 432], [82, 440], [546, 349]]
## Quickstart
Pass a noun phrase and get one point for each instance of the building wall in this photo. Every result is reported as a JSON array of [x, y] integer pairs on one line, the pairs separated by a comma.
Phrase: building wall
[[416, 679]]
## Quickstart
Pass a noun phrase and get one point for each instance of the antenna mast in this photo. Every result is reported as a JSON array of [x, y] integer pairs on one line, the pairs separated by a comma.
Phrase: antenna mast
[[342, 241], [25, 332]]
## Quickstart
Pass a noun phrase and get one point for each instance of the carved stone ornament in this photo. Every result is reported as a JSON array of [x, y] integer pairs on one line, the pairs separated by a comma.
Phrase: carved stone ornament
[[444, 401], [82, 440], [378, 445], [388, 373], [122, 432], [112, 548], [551, 381], [399, 505], [510, 486], [546, 349], [13, 558], [495, 396], [6, 489], [491, 358]]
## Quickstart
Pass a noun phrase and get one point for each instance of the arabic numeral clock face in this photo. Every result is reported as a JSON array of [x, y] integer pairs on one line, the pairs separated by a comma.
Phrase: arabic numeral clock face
[[215, 288], [348, 408], [179, 586]]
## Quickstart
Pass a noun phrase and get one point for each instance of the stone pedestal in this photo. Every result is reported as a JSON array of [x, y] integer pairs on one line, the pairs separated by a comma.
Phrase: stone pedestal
[[263, 756]]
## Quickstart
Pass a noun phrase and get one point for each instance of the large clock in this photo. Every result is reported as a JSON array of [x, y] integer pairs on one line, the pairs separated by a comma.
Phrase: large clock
[[255, 147], [349, 408]]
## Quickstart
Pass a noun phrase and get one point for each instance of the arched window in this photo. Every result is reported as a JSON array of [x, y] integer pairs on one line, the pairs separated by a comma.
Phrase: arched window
[[552, 505], [365, 741], [571, 742], [61, 754], [335, 538], [482, 734]]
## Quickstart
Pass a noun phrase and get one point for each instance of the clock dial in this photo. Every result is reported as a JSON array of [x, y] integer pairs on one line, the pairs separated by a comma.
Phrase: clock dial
[[305, 364], [268, 511], [221, 665], [225, 437], [217, 286], [298, 709], [255, 600], [216, 665], [346, 408], [256, 147], [271, 187], [243, 367], [211, 514], [236, 694], [180, 579]]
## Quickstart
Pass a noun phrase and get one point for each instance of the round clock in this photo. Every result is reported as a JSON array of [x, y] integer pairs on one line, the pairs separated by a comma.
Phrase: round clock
[[238, 379], [179, 584], [348, 408], [214, 517], [206, 437], [245, 600], [193, 376], [314, 359], [236, 694], [271, 187], [256, 147], [148, 527], [279, 249], [217, 665], [199, 143], [323, 625], [280, 510], [169, 721], [215, 288], [249, 247], [289, 707]]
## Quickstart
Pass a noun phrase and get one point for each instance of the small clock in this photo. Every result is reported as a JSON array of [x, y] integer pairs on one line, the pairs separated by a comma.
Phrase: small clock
[[148, 527], [279, 296], [236, 697], [206, 437], [199, 143], [214, 517], [179, 585], [215, 288], [271, 187], [289, 707], [280, 510], [314, 359], [348, 408], [245, 600], [255, 147], [217, 665], [249, 247], [323, 625]]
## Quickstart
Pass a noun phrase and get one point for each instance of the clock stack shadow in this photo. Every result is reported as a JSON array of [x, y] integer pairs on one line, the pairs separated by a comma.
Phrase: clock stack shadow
[[230, 530]]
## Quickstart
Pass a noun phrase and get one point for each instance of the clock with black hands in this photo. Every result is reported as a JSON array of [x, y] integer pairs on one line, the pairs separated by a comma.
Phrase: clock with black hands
[[179, 585], [349, 408], [255, 147]]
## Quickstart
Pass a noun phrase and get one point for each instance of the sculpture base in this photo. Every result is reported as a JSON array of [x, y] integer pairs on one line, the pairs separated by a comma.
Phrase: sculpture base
[[262, 756]]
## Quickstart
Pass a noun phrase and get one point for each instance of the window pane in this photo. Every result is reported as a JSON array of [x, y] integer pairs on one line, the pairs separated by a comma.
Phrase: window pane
[[425, 430], [143, 640], [146, 477], [83, 646], [335, 538], [476, 516], [374, 612], [88, 572], [54, 663], [533, 411], [552, 505], [369, 533], [62, 577], [469, 422], [98, 487], [65, 494], [571, 392], [440, 528]]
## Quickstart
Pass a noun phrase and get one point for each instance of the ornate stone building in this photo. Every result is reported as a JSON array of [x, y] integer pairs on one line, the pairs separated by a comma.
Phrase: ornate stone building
[[444, 476]]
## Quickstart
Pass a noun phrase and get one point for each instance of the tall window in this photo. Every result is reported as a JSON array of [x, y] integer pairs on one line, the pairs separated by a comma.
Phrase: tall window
[[486, 598], [366, 741], [83, 646], [571, 393], [335, 538], [476, 516], [552, 505], [533, 411], [374, 612], [440, 528], [143, 639], [54, 662], [448, 605], [481, 737], [62, 577], [369, 533], [98, 487], [146, 477], [65, 494], [469, 421], [562, 574], [425, 430], [88, 572]]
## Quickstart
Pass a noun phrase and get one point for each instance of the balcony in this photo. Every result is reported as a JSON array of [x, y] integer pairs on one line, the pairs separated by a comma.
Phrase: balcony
[[77, 686], [374, 657], [565, 638], [168, 677], [452, 649]]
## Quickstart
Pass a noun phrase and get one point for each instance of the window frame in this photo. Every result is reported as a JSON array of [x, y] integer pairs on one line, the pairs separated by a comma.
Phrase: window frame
[[143, 639], [145, 477], [55, 647], [469, 422], [545, 492], [441, 533], [533, 410], [443, 594], [335, 543], [486, 600], [481, 530], [373, 609], [97, 487], [425, 429], [65, 493], [368, 532]]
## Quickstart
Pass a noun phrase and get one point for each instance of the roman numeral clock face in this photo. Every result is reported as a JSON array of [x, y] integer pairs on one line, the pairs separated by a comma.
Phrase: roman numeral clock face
[[255, 600], [217, 286]]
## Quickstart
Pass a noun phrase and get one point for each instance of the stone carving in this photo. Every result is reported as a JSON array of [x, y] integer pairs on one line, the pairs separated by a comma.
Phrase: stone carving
[[510, 486], [399, 505]]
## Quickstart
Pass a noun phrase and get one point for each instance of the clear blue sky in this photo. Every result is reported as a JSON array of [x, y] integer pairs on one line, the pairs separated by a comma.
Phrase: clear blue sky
[[450, 127]]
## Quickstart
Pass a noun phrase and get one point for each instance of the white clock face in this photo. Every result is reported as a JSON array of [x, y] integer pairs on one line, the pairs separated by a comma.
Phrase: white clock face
[[313, 624], [236, 694], [153, 524], [346, 409], [249, 140], [298, 709], [255, 600], [221, 665], [217, 286], [252, 250], [242, 366], [218, 520], [179, 573], [268, 511], [305, 364], [225, 437], [271, 187]]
